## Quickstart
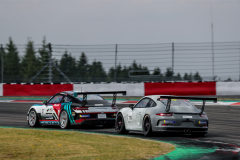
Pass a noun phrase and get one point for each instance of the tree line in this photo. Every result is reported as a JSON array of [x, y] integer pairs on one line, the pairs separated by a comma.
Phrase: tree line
[[21, 70]]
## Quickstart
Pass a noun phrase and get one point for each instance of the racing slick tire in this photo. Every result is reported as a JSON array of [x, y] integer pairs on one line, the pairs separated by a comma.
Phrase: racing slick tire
[[146, 125], [120, 125], [33, 119], [64, 120]]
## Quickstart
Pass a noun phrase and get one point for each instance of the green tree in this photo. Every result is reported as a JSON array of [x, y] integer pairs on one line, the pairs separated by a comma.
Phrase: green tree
[[96, 72], [169, 74], [139, 70], [12, 63], [2, 54], [82, 67], [68, 65], [157, 71], [186, 77], [44, 59], [178, 77], [197, 77], [30, 64]]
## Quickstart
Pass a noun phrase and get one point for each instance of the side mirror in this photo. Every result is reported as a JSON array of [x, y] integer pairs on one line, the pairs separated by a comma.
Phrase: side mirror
[[131, 106], [45, 102]]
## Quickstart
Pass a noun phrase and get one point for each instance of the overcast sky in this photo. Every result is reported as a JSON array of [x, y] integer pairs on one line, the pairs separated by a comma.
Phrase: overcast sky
[[88, 22], [119, 21]]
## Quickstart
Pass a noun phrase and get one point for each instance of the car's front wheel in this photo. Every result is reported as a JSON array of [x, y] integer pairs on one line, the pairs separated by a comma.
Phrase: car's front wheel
[[64, 120], [120, 126], [33, 119], [147, 127]]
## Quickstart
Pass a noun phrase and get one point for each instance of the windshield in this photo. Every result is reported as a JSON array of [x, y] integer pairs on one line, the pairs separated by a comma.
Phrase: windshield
[[90, 97], [180, 105]]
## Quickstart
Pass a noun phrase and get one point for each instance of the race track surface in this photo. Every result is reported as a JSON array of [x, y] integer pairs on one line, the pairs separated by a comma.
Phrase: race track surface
[[223, 135]]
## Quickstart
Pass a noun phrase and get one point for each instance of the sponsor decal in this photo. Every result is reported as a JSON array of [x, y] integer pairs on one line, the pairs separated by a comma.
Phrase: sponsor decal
[[51, 118], [84, 115], [187, 116], [202, 122], [130, 117], [56, 105], [50, 110], [102, 116], [168, 121], [48, 122]]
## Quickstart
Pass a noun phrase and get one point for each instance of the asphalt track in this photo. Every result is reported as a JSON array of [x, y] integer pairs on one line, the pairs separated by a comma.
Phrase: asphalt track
[[222, 141]]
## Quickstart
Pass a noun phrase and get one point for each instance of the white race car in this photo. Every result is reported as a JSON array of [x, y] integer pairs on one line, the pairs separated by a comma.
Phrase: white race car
[[159, 113]]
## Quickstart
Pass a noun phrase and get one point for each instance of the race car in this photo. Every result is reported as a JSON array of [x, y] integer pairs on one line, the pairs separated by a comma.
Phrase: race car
[[75, 108], [161, 113]]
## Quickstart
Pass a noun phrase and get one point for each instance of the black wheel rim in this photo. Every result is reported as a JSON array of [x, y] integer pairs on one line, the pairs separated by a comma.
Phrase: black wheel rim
[[146, 125], [119, 123]]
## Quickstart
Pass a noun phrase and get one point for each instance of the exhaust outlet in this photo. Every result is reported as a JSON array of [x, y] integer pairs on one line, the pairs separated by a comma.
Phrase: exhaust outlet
[[187, 131]]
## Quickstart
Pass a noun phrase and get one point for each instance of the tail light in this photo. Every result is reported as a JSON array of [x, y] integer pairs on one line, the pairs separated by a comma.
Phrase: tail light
[[202, 115], [81, 108], [164, 124], [114, 107], [164, 114]]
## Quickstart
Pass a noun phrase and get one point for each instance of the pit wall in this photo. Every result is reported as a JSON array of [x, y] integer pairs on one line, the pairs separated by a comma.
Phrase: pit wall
[[133, 89]]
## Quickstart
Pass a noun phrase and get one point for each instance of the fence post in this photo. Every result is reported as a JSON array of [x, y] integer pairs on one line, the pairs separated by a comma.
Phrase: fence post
[[2, 61], [50, 63], [115, 73], [172, 57]]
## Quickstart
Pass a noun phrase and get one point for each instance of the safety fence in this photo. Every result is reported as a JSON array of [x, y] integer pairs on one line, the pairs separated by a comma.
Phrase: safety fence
[[56, 63], [133, 89]]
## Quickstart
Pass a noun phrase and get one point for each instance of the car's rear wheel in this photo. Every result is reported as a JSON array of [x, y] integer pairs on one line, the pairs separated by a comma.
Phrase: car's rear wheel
[[120, 125], [147, 127], [64, 120], [33, 119]]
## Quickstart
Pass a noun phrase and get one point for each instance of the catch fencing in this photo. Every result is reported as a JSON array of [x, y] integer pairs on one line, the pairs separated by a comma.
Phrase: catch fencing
[[219, 61]]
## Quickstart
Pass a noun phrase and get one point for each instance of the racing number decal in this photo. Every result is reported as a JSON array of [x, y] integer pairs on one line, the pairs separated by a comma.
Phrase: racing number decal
[[130, 119]]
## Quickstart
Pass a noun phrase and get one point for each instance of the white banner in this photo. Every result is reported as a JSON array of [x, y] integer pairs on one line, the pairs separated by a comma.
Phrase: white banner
[[133, 89], [228, 88], [1, 89]]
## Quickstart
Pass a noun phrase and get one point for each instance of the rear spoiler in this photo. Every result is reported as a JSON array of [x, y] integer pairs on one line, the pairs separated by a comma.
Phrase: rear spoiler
[[107, 92], [185, 97]]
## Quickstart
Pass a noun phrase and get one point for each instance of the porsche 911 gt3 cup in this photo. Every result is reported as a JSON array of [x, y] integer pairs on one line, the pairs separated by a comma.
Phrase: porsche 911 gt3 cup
[[74, 108], [159, 113]]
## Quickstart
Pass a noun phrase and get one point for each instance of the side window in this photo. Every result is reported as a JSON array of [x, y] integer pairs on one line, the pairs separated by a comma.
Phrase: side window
[[143, 103], [66, 99], [56, 99], [151, 103]]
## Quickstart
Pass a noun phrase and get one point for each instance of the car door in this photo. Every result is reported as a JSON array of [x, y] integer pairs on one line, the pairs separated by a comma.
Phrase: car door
[[50, 112], [138, 113]]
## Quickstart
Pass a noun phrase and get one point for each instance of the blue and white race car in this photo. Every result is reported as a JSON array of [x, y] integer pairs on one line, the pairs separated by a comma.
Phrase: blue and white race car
[[74, 108]]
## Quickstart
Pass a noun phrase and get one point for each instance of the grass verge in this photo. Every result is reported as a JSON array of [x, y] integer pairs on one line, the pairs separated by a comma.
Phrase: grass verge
[[50, 144]]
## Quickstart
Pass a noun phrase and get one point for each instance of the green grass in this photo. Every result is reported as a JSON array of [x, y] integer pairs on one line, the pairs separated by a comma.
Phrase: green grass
[[50, 144]]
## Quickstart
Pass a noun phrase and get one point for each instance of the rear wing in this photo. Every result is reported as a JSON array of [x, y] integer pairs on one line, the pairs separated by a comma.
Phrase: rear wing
[[186, 97], [107, 92]]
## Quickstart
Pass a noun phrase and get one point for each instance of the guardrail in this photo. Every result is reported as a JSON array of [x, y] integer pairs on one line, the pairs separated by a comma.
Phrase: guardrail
[[133, 89]]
